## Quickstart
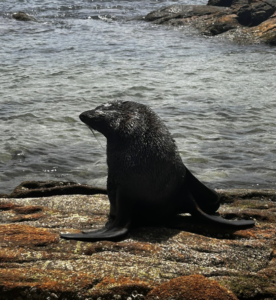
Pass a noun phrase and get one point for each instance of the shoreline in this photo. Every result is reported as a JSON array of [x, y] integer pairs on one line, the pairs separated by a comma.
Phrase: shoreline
[[31, 189], [241, 21]]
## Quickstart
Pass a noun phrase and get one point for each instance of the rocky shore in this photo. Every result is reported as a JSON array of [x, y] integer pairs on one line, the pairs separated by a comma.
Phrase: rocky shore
[[183, 260], [243, 21]]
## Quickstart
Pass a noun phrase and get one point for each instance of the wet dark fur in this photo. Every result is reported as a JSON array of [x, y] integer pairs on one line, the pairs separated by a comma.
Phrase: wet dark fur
[[147, 180]]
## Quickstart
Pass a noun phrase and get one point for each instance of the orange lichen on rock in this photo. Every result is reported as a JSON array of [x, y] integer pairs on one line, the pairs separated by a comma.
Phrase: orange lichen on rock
[[26, 235], [52, 280], [122, 286], [267, 231], [8, 254], [190, 288], [7, 206], [31, 217], [137, 248], [68, 283], [29, 209]]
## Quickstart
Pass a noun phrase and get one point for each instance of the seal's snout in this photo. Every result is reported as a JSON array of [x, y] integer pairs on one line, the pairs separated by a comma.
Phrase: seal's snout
[[86, 116], [82, 117]]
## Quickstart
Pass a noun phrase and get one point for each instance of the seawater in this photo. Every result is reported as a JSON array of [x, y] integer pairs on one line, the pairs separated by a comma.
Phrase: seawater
[[217, 98]]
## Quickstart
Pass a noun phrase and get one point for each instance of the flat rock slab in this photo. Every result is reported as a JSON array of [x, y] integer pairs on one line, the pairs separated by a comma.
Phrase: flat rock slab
[[243, 21], [187, 260]]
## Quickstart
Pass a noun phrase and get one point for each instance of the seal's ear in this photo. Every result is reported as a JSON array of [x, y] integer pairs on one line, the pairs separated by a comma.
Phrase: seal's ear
[[132, 121], [125, 123]]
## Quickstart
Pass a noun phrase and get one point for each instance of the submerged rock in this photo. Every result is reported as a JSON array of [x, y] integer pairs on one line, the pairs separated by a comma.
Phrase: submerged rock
[[168, 262], [21, 16], [245, 20]]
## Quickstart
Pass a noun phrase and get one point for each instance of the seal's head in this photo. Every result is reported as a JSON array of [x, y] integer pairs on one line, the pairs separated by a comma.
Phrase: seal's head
[[117, 118]]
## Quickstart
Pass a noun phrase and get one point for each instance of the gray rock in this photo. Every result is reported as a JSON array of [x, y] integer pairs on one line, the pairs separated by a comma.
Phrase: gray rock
[[21, 16], [183, 11], [242, 21]]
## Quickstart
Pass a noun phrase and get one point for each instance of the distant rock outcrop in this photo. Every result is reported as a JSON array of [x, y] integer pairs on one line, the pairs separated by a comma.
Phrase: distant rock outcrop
[[21, 16], [251, 21]]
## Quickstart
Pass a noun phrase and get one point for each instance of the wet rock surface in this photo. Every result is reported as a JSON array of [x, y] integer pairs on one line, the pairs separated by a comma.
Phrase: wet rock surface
[[244, 21], [183, 259], [51, 188]]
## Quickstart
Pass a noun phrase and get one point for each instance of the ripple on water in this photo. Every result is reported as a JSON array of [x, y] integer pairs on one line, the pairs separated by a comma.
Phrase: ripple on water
[[216, 97]]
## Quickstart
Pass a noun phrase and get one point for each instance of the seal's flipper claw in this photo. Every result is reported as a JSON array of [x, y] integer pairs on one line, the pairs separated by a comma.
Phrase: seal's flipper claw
[[112, 234]]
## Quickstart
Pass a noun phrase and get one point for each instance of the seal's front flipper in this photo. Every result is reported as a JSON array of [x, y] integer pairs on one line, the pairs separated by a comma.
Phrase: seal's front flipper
[[116, 227], [106, 234]]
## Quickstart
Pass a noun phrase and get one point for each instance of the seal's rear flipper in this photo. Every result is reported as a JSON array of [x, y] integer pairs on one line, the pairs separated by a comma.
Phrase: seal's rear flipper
[[94, 231], [107, 234], [236, 225], [206, 198], [200, 215]]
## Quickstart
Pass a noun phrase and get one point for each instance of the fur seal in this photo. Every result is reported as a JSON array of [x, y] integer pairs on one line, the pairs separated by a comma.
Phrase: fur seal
[[147, 180]]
